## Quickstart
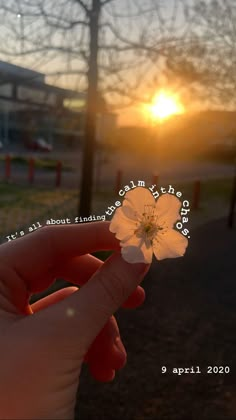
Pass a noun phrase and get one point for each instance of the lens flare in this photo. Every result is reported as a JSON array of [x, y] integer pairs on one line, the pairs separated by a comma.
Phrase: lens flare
[[164, 105]]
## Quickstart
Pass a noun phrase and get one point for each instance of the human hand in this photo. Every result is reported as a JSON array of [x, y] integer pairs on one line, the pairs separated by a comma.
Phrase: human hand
[[43, 346]]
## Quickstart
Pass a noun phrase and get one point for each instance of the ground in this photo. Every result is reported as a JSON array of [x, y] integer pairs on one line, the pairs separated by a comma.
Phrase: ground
[[23, 205], [134, 166], [188, 319]]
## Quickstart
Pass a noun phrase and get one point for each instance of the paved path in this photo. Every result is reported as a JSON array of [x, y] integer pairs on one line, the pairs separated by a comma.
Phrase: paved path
[[133, 168], [188, 319]]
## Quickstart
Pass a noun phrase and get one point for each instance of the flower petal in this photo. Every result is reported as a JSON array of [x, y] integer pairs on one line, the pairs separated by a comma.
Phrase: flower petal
[[147, 253], [167, 208], [132, 241], [136, 250], [122, 226], [129, 212], [137, 198], [135, 254], [170, 244], [132, 254]]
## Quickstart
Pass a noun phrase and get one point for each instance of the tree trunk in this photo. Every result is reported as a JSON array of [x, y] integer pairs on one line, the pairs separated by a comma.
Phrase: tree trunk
[[86, 190]]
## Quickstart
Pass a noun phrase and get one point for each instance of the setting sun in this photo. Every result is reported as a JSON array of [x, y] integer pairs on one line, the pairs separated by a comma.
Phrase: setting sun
[[164, 105]]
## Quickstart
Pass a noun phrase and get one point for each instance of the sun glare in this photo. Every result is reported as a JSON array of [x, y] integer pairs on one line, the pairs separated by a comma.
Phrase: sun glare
[[164, 105]]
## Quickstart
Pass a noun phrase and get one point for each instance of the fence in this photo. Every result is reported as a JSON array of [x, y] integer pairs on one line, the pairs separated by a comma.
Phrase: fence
[[29, 170]]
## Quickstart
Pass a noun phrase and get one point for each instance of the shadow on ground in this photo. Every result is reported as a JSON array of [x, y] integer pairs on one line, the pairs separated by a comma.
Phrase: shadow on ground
[[188, 319]]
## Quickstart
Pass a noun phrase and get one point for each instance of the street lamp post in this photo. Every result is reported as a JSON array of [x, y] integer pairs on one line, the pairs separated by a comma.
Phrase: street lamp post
[[233, 198]]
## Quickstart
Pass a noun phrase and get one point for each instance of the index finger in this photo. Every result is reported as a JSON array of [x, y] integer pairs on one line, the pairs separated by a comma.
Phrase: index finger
[[36, 254]]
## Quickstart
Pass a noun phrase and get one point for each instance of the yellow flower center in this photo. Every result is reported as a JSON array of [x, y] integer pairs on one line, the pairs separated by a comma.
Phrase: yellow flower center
[[147, 225]]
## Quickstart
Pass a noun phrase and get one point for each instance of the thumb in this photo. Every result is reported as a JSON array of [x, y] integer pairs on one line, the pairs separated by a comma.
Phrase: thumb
[[81, 316]]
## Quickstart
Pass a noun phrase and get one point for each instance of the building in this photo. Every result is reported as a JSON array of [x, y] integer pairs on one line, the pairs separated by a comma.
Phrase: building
[[31, 108]]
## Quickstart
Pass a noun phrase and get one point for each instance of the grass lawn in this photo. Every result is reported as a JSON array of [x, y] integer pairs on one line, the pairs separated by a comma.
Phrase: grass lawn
[[214, 200], [20, 206]]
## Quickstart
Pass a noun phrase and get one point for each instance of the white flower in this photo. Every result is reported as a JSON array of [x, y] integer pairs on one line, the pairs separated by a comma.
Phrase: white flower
[[145, 226]]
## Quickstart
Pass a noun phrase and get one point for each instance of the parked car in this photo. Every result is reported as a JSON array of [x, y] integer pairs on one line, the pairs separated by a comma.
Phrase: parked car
[[39, 144]]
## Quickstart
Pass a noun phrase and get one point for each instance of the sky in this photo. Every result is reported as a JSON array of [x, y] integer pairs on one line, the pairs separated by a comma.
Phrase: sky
[[142, 68]]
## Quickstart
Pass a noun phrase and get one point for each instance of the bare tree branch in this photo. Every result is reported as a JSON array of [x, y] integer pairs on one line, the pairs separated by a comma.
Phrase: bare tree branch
[[103, 3], [53, 21], [83, 5], [104, 49]]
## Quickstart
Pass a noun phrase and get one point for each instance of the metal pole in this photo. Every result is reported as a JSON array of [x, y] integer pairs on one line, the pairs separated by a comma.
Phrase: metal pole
[[7, 167], [58, 173], [31, 170], [232, 202], [196, 195]]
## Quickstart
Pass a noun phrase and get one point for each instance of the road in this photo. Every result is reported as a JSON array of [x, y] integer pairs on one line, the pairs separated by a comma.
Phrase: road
[[188, 319], [133, 168]]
